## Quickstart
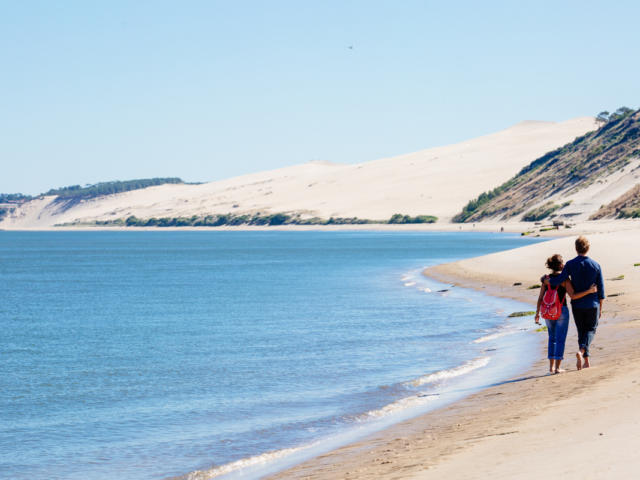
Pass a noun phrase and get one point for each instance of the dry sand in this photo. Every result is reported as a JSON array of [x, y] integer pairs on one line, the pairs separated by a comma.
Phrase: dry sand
[[438, 181], [576, 425]]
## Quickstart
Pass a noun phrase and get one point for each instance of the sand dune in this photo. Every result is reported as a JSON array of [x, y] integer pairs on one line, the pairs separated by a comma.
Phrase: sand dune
[[437, 181]]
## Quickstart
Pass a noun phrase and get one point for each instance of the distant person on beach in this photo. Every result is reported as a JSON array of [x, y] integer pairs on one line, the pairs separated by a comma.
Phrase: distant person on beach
[[583, 272], [553, 299]]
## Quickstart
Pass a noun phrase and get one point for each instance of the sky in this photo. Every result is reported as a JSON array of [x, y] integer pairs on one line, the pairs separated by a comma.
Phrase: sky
[[207, 90]]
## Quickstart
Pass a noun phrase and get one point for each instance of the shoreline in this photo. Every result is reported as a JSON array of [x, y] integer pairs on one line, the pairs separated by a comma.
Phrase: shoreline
[[448, 386], [587, 227], [490, 431]]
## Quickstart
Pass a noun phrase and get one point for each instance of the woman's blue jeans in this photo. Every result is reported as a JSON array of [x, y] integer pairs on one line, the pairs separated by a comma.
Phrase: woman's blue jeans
[[558, 334]]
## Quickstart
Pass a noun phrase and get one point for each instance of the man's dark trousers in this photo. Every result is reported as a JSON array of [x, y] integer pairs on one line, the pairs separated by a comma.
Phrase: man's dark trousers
[[586, 320]]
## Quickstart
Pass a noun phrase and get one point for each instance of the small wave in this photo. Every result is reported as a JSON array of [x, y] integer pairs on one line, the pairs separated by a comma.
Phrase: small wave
[[409, 284], [451, 372], [398, 405], [426, 289], [242, 463], [493, 336], [424, 397]]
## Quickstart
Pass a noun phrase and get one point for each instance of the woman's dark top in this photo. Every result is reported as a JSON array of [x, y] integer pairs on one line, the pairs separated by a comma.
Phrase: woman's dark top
[[562, 292]]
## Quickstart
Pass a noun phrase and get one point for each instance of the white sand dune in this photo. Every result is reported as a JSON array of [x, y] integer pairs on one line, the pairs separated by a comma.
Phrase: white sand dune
[[437, 181]]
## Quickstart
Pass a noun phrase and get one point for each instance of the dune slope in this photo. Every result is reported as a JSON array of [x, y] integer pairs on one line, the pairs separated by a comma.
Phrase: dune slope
[[572, 182]]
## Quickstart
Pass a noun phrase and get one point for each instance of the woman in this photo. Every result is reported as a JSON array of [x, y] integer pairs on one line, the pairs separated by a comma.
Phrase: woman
[[558, 328]]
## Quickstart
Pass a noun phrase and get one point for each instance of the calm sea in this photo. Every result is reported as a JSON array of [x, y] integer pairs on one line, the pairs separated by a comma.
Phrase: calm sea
[[147, 355]]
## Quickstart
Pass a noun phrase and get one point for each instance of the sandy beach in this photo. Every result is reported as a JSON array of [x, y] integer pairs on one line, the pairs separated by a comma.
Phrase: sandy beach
[[580, 424]]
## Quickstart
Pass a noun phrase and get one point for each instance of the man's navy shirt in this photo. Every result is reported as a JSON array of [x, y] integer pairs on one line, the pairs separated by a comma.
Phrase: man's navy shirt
[[583, 272]]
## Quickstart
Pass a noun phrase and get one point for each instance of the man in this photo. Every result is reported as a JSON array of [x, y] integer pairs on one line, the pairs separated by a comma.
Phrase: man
[[583, 272]]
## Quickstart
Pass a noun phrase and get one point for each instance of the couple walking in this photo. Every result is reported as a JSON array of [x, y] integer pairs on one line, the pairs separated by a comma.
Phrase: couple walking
[[581, 279]]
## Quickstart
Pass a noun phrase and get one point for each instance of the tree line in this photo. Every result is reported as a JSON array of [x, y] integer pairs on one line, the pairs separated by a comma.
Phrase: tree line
[[109, 188], [255, 219]]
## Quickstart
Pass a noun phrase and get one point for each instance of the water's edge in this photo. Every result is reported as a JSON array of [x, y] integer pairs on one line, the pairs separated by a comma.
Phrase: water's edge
[[459, 383]]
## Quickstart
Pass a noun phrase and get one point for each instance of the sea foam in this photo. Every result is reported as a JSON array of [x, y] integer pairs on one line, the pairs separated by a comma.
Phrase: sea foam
[[243, 463], [450, 373]]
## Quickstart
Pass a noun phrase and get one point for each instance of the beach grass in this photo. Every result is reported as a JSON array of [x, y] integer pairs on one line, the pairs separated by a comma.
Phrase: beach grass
[[521, 314]]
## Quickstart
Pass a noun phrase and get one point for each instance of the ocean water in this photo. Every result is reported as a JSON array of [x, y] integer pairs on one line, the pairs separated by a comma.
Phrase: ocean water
[[149, 355]]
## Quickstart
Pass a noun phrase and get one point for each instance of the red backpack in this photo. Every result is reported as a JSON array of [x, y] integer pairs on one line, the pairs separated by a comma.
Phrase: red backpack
[[551, 307]]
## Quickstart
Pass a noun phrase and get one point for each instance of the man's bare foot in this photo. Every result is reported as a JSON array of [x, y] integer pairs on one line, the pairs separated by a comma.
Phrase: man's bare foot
[[585, 364], [560, 370], [579, 360]]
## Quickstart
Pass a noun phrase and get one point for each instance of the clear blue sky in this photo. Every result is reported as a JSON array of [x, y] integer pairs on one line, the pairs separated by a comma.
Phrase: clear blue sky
[[93, 91]]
